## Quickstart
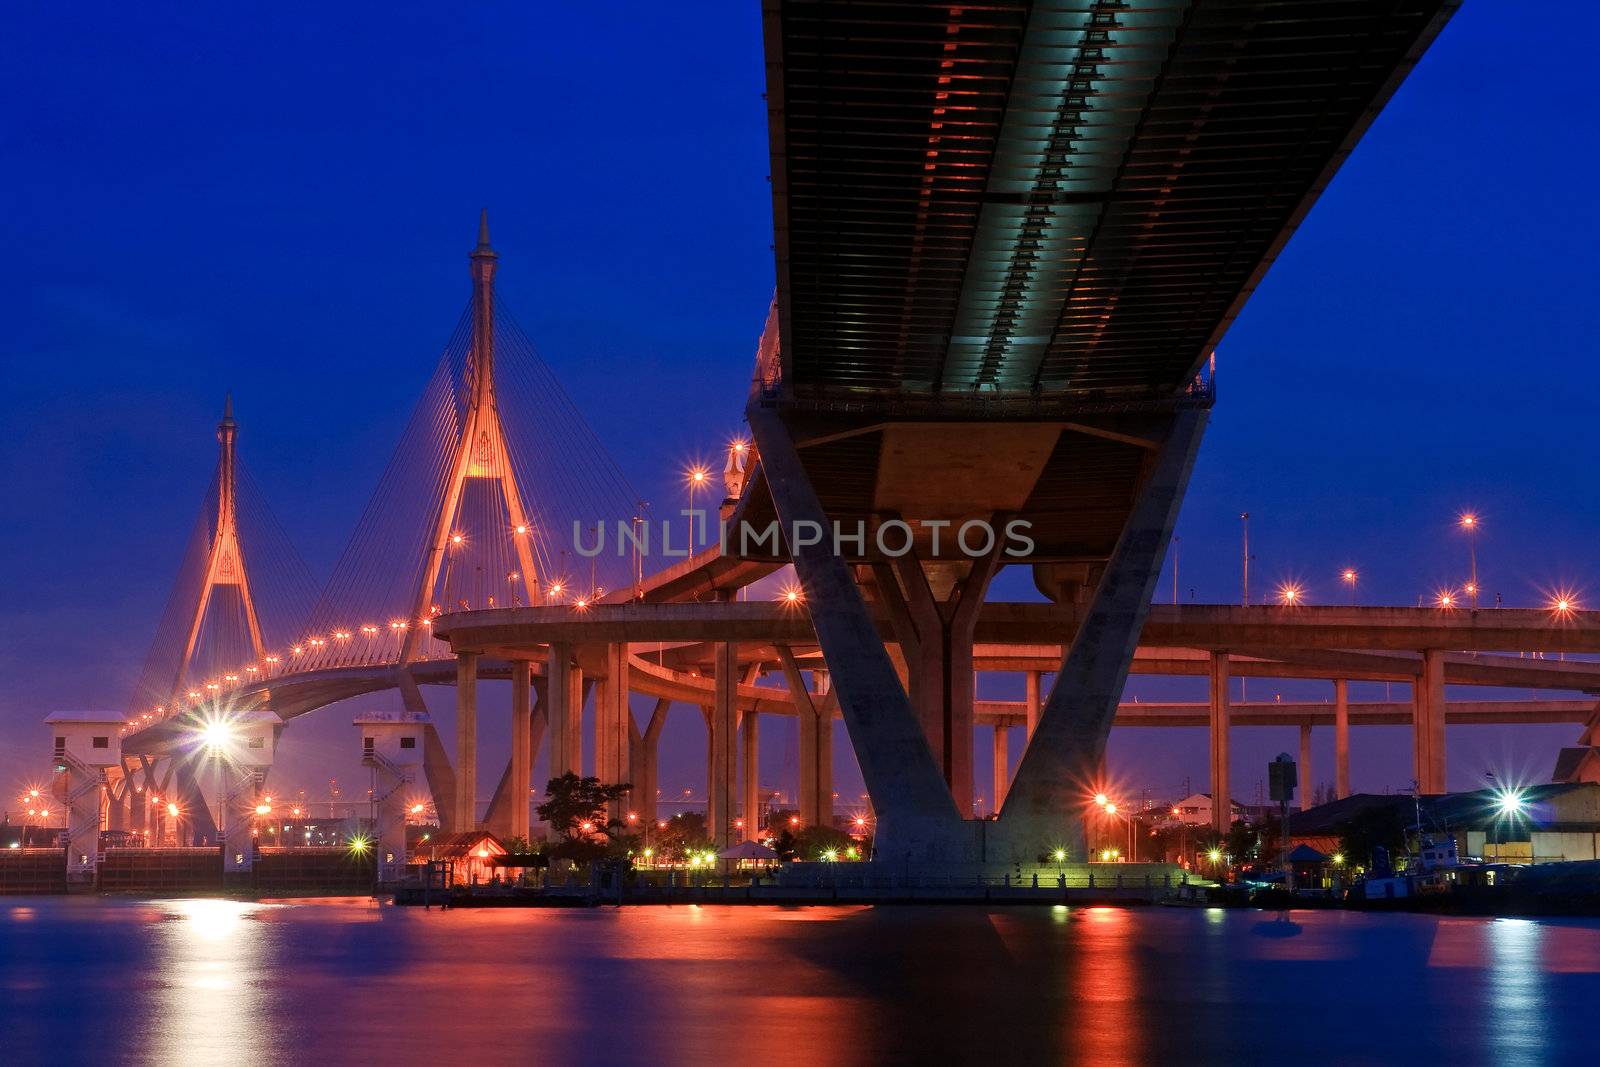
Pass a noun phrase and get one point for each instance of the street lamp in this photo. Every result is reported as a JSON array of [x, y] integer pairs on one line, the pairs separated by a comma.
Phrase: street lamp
[[1290, 594], [694, 478], [1469, 522], [1349, 578]]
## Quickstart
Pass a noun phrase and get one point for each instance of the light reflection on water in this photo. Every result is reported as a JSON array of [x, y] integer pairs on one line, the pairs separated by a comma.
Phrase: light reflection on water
[[212, 985], [209, 981]]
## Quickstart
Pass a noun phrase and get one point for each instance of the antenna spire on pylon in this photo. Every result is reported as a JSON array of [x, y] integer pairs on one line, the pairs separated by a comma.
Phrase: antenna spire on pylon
[[483, 231], [227, 409]]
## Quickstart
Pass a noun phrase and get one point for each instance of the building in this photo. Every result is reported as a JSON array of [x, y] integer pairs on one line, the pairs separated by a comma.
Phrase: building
[[1537, 824], [1195, 810]]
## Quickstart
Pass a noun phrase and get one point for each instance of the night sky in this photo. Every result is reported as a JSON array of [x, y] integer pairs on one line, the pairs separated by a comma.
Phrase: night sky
[[278, 201]]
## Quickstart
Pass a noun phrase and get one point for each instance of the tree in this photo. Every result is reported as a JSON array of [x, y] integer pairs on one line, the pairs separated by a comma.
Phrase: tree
[[576, 807], [814, 842]]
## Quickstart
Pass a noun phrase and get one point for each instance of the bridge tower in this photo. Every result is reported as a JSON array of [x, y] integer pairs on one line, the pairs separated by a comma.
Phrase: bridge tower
[[225, 563], [480, 454]]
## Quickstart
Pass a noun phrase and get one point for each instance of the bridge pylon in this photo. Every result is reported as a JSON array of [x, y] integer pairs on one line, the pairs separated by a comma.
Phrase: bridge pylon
[[225, 561], [480, 454]]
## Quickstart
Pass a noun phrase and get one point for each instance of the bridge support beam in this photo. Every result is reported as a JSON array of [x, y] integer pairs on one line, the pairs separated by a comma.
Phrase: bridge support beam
[[564, 716], [935, 638], [498, 818], [1031, 701], [1427, 724], [1001, 763], [612, 719], [750, 764], [647, 765], [917, 819], [466, 804], [1308, 781], [816, 741], [722, 800], [1046, 805], [521, 744], [1341, 738], [1221, 712]]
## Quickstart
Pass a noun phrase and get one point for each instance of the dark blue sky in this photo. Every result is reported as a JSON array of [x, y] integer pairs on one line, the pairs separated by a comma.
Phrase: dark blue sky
[[278, 201]]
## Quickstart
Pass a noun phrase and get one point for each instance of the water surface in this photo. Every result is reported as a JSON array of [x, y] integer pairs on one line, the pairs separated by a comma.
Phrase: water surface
[[213, 981]]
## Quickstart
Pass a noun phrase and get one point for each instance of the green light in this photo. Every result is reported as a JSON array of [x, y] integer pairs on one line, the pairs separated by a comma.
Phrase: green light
[[1060, 855], [831, 855], [359, 844]]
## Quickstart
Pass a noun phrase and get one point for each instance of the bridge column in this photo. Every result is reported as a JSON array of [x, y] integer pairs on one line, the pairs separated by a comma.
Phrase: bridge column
[[1046, 802], [816, 742], [934, 609], [1427, 723], [916, 816], [724, 745], [1001, 763], [1031, 701], [1221, 789], [466, 805], [611, 721], [1307, 781], [750, 760], [1341, 738], [521, 746], [647, 766], [563, 717]]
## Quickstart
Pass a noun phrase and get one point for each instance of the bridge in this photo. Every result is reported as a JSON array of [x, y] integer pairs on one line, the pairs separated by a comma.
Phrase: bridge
[[1007, 242]]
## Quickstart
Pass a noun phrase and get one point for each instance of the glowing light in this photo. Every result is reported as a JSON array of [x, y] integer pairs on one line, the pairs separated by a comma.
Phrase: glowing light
[[633, 816], [697, 476], [1349, 575], [1101, 799], [172, 810], [216, 734], [861, 821], [1510, 801], [456, 539], [359, 844], [794, 820], [1338, 859], [582, 603], [1445, 599], [522, 528], [263, 809], [1060, 855], [483, 853], [1214, 855], [341, 635], [1563, 602], [1468, 520], [739, 446], [295, 812], [792, 594], [416, 809], [738, 824], [1176, 812], [1290, 594], [587, 827], [369, 629], [831, 855], [272, 659], [1111, 809]]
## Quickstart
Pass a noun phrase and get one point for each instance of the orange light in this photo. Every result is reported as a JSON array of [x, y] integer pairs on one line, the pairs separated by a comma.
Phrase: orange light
[[1101, 799], [263, 809], [792, 594], [861, 820], [794, 820], [740, 446], [1446, 600], [555, 588], [172, 809], [522, 528], [587, 827], [416, 809], [1290, 594], [1468, 520], [582, 604], [633, 816], [738, 824], [1111, 809], [1349, 575]]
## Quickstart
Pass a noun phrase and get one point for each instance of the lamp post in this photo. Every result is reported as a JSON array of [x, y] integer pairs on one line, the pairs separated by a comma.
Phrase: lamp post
[[1469, 523], [1349, 577]]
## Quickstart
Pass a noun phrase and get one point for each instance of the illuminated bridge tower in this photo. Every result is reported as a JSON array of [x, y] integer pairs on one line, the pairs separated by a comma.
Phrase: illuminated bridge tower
[[225, 563], [481, 457]]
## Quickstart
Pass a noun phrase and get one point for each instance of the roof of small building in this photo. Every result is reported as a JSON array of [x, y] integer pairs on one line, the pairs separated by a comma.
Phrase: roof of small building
[[1307, 854], [462, 844], [1477, 809], [86, 717], [1569, 761]]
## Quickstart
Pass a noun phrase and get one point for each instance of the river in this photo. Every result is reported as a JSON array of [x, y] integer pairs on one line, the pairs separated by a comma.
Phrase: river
[[348, 981]]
